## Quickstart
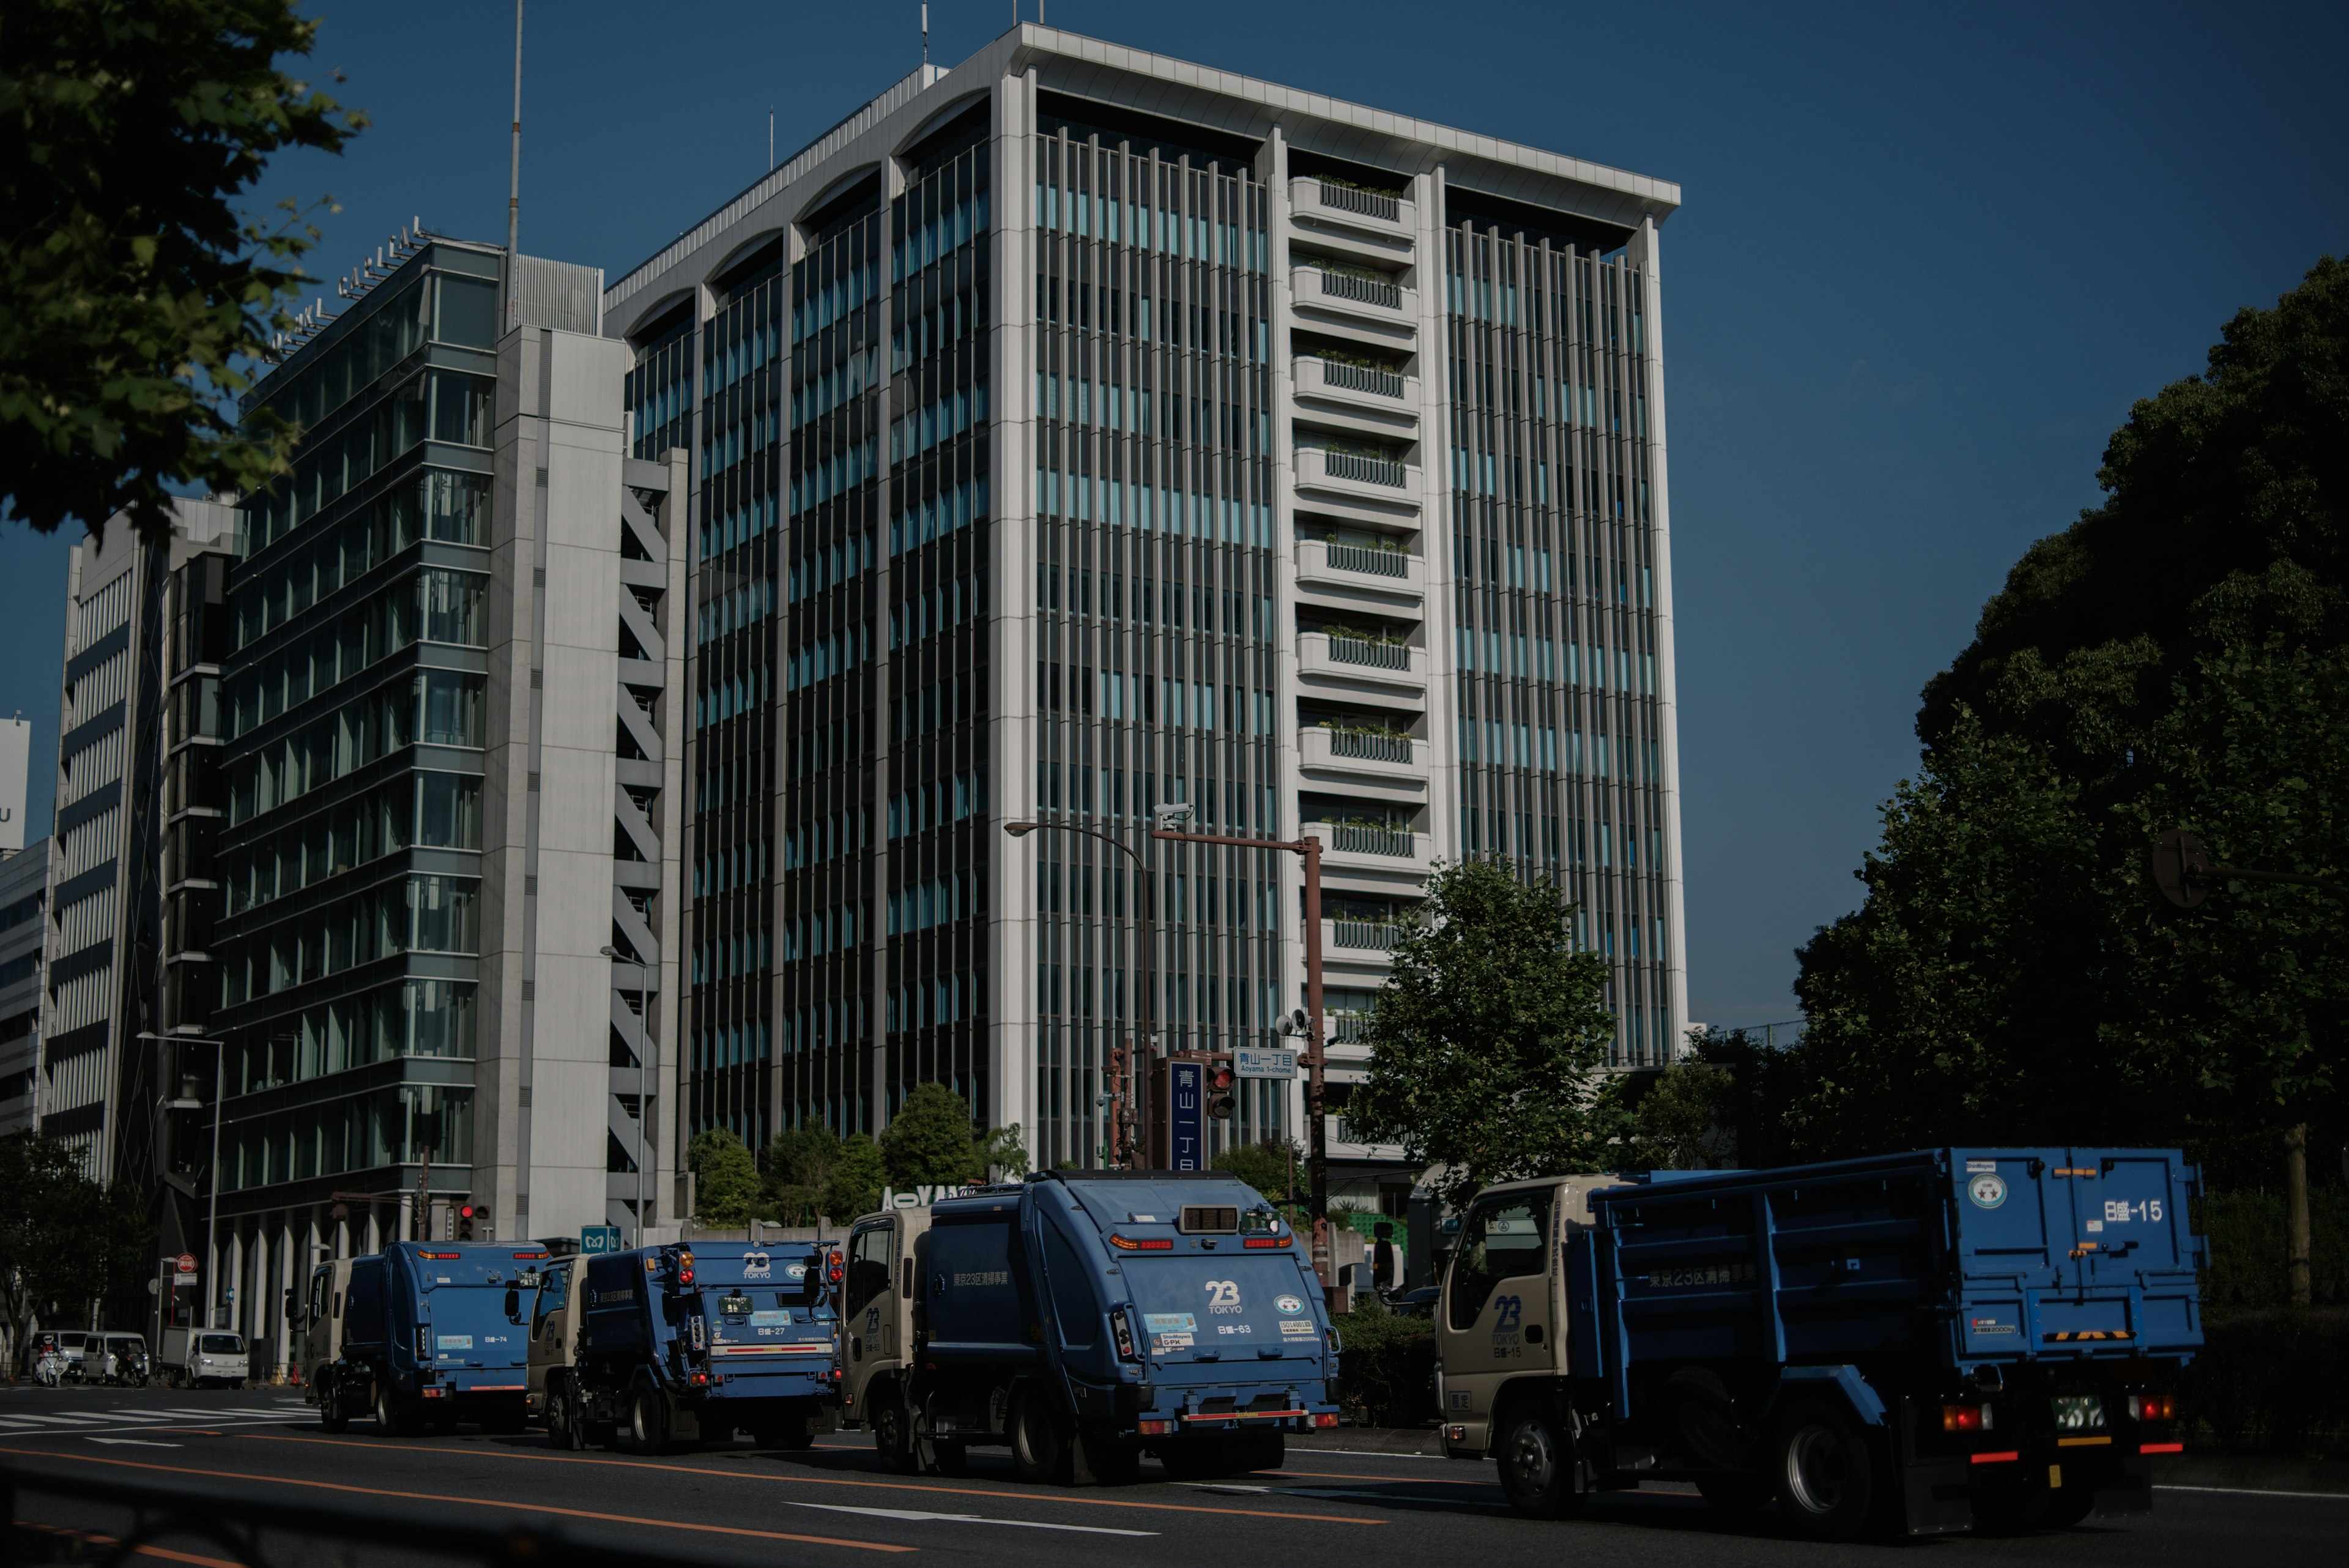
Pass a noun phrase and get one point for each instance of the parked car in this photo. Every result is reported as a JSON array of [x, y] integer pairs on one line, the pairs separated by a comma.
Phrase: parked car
[[194, 1357], [1420, 1303]]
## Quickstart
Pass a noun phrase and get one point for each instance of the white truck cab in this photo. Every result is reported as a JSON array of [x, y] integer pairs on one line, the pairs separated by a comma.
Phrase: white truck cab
[[1503, 1317]]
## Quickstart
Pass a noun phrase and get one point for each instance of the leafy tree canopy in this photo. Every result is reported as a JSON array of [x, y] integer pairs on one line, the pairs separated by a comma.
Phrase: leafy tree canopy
[[726, 1191], [134, 297], [64, 1239], [852, 1186], [1488, 1037], [2178, 657], [1268, 1166], [928, 1141]]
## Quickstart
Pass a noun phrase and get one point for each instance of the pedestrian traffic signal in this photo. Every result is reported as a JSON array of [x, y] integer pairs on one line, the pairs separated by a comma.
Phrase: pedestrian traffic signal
[[467, 1214]]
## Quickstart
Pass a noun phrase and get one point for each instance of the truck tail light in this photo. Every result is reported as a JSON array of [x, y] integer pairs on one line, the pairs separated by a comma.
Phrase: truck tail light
[[1257, 1243], [1142, 1243], [701, 1380], [1154, 1429], [1965, 1419], [1121, 1325], [1325, 1417], [835, 1268], [2153, 1407]]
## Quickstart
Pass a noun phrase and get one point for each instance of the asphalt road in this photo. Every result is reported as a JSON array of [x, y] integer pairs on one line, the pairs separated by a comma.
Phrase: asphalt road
[[833, 1505]]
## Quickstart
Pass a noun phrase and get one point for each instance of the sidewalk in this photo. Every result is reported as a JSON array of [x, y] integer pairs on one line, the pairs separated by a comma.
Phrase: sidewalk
[[2227, 1472]]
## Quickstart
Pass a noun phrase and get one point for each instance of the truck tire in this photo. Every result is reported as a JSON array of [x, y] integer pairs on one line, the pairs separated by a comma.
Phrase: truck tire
[[332, 1415], [1537, 1463], [1041, 1448], [893, 1433], [1245, 1451], [394, 1417], [565, 1427], [1702, 1415], [1823, 1468], [648, 1421]]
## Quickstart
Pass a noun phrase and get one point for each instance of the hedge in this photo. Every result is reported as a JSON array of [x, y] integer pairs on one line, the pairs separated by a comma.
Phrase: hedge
[[1388, 1367], [2245, 1235]]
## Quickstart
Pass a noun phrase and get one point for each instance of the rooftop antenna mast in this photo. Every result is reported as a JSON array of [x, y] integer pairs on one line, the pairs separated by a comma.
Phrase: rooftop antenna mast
[[513, 187], [925, 33], [771, 136]]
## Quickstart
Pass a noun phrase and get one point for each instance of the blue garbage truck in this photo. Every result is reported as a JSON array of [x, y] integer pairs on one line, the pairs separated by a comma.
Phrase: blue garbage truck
[[1905, 1343], [682, 1344], [1083, 1318], [432, 1333]]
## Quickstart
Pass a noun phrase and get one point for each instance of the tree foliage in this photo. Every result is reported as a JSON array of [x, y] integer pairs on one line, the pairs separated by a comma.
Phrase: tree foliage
[[797, 1166], [1487, 1039], [134, 297], [1677, 1121], [929, 1141], [852, 1186], [1270, 1167], [726, 1189], [2178, 657], [64, 1239]]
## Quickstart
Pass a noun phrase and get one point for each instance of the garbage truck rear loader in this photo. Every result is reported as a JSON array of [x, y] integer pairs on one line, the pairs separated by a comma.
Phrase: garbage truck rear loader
[[1084, 1318]]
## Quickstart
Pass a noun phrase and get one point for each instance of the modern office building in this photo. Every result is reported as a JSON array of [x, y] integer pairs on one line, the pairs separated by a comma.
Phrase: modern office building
[[127, 861], [24, 903], [450, 758], [1079, 431]]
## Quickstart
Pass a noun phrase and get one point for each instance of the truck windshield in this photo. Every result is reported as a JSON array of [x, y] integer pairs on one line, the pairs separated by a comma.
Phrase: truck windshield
[[222, 1345], [1505, 1238]]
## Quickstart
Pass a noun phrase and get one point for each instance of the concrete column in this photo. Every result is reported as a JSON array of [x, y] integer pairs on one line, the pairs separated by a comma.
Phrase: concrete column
[[285, 1277]]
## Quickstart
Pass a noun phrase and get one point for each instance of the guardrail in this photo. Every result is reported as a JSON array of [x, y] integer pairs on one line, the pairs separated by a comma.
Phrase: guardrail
[[1361, 558], [1361, 378], [1383, 935], [1361, 290], [1363, 650], [1369, 748], [1369, 470], [228, 1524], [1369, 204], [1353, 838]]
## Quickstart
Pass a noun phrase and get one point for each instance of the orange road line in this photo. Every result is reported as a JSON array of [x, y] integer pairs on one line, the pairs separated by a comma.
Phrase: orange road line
[[1387, 1480], [95, 1539], [473, 1502], [1055, 1496]]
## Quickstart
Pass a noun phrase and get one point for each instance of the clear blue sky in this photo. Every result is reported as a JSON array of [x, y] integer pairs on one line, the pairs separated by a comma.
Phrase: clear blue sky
[[1928, 255]]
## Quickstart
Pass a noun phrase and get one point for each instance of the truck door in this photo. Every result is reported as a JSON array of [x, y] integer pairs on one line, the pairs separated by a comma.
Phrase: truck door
[[870, 1316], [1496, 1312], [550, 1324]]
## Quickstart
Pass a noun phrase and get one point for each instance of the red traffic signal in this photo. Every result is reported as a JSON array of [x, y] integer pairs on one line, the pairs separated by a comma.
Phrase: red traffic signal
[[466, 1215], [1221, 1104]]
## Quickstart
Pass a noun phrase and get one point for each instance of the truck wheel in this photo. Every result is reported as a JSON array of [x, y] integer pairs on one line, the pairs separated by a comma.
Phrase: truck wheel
[[1041, 1449], [394, 1417], [893, 1437], [648, 1421], [332, 1415], [1823, 1470], [562, 1428], [1537, 1463], [1254, 1452]]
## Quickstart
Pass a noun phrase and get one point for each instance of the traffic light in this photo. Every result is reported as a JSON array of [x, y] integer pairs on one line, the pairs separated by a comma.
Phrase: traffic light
[[467, 1213], [1221, 1104]]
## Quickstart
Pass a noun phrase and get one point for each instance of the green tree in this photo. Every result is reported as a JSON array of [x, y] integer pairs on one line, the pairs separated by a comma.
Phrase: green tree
[[853, 1187], [135, 299], [64, 1239], [2178, 657], [1488, 1037], [725, 1179], [1676, 1122], [1001, 1153], [1268, 1166], [928, 1143], [798, 1164]]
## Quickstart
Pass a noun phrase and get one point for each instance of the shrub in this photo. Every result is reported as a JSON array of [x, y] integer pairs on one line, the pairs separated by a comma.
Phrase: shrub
[[1388, 1364]]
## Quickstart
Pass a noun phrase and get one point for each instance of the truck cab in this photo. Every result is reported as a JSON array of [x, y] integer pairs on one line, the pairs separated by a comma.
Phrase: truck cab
[[877, 1299], [318, 1326], [1501, 1325]]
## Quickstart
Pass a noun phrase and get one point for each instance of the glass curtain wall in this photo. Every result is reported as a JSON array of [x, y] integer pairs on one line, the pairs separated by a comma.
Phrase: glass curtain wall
[[351, 709], [1154, 603], [1556, 625], [823, 932], [935, 988], [731, 953]]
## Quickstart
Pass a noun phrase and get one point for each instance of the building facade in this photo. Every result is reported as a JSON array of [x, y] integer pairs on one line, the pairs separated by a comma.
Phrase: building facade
[[449, 760], [1078, 431], [24, 929]]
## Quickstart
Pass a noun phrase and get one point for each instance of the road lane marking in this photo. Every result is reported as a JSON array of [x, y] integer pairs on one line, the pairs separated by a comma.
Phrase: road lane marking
[[1386, 1480], [814, 1479], [96, 1540], [135, 1442], [2253, 1491], [1331, 1494], [917, 1516], [471, 1501]]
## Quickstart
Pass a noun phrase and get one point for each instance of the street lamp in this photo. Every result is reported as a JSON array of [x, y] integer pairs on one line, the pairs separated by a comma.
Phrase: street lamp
[[1124, 1122], [1309, 850], [212, 1211], [644, 1101]]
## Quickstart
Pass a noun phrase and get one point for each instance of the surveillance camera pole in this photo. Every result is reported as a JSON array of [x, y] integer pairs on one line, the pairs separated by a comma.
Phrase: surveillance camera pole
[[1317, 1146]]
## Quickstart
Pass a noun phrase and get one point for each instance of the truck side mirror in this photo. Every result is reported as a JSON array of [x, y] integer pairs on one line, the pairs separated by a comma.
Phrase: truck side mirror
[[513, 1304]]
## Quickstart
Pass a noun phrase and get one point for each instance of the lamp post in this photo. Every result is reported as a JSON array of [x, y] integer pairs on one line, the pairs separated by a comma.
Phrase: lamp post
[[211, 1209], [1317, 1147], [1127, 1108], [644, 1101]]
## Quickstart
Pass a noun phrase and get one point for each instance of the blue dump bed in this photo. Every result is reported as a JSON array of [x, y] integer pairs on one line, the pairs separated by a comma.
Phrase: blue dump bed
[[1152, 1302], [447, 1315], [730, 1321], [1956, 1259]]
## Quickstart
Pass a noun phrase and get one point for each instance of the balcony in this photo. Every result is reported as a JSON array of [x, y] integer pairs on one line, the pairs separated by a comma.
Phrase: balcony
[[1378, 484], [1359, 293], [1364, 939], [1388, 391], [1398, 758], [1356, 570], [1392, 216], [1379, 853], [1358, 661]]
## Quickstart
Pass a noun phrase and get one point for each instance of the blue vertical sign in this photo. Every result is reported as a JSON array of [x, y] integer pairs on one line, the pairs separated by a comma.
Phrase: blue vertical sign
[[1187, 1131]]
